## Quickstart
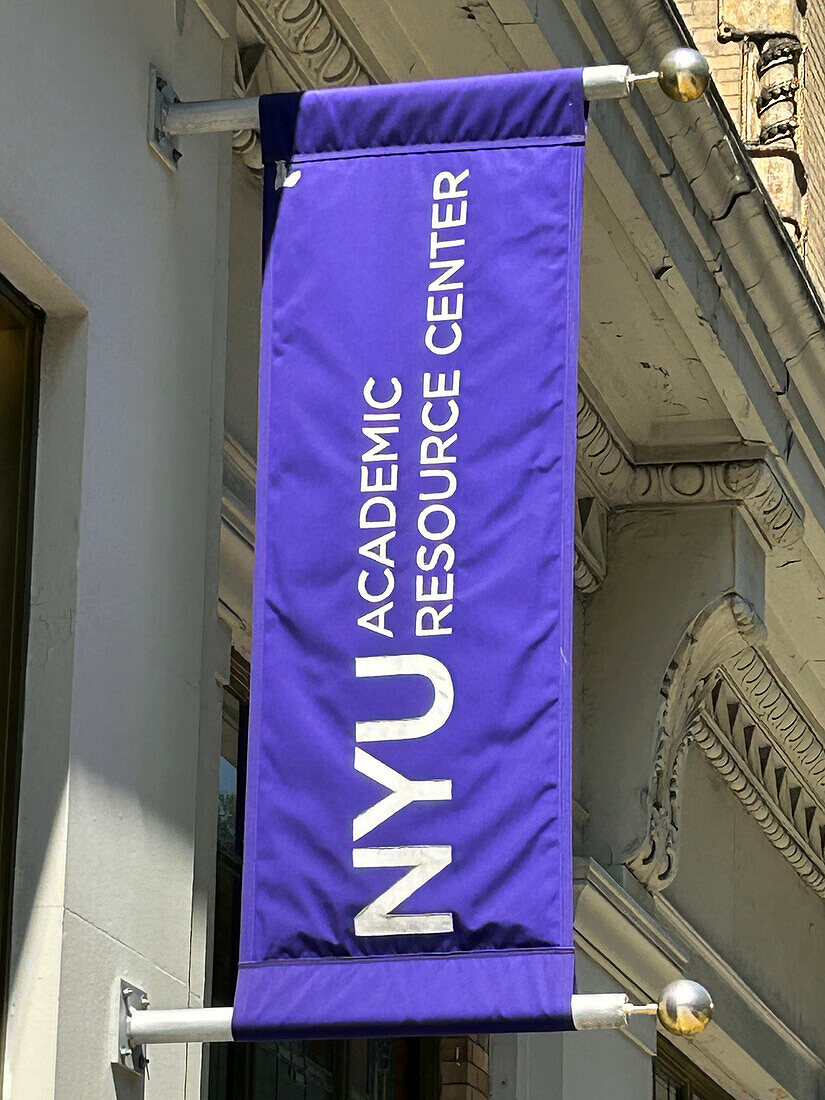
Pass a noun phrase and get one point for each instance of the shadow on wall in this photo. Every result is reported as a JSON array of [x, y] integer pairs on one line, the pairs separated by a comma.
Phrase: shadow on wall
[[128, 1084]]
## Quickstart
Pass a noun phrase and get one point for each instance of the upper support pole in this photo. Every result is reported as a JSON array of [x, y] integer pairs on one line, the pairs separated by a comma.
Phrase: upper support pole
[[683, 75]]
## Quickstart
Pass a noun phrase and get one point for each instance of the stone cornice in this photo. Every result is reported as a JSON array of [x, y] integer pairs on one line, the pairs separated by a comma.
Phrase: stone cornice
[[600, 461], [306, 40], [752, 484], [773, 759], [701, 952], [607, 918], [645, 946], [302, 37]]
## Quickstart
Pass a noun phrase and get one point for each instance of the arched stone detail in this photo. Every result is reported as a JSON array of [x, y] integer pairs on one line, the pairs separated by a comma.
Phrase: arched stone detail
[[718, 634]]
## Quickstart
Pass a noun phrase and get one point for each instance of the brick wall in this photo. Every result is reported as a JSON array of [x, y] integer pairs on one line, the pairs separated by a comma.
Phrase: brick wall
[[814, 141], [465, 1068], [725, 58], [755, 50]]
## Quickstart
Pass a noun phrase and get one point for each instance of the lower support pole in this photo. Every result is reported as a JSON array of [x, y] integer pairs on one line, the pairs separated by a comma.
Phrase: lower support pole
[[684, 1008], [179, 1025]]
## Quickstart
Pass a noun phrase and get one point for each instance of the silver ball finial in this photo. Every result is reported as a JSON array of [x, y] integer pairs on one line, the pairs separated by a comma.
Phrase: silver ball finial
[[684, 74], [685, 1008]]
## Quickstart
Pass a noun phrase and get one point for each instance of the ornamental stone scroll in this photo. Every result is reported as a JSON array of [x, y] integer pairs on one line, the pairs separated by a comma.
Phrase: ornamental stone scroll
[[718, 634]]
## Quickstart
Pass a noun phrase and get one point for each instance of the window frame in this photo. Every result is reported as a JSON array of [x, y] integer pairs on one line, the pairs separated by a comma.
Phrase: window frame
[[684, 1074], [31, 319]]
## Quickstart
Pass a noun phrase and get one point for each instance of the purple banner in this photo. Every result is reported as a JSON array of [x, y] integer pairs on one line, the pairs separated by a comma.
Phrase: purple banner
[[407, 864]]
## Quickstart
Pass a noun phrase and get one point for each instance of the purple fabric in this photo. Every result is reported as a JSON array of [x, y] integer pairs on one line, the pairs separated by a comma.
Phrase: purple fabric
[[413, 573]]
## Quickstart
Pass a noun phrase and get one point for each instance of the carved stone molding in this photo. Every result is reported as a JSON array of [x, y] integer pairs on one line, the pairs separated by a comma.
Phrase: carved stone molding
[[777, 69], [774, 790], [299, 36], [771, 706], [584, 578], [591, 544], [306, 40], [770, 36], [752, 484], [735, 709], [599, 457], [771, 80], [718, 634]]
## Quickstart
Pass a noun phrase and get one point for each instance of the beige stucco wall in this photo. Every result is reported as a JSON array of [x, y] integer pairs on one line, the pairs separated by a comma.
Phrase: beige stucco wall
[[122, 711]]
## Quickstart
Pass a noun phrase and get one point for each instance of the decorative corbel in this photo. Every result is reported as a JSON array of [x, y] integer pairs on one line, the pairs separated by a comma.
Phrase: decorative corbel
[[720, 632]]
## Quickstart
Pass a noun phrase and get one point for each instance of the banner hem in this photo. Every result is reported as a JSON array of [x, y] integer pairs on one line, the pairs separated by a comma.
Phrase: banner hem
[[509, 993], [534, 142], [323, 960]]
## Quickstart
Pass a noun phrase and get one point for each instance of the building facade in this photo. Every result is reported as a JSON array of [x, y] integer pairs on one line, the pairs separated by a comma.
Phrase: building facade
[[128, 356]]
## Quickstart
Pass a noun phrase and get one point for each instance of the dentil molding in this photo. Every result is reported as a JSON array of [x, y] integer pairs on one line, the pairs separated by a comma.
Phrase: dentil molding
[[775, 777]]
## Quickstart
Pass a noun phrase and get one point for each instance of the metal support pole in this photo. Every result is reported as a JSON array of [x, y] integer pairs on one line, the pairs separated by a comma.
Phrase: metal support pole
[[604, 1010], [179, 1025], [214, 1025], [215, 116], [684, 1008], [211, 116], [683, 75]]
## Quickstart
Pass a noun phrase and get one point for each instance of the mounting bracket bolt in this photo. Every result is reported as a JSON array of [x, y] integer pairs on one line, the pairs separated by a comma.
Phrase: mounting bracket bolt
[[161, 96], [130, 999]]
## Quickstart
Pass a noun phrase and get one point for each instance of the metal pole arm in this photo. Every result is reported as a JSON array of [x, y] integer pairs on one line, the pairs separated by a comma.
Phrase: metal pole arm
[[684, 1008], [683, 75], [211, 116], [214, 1025], [215, 116], [179, 1025]]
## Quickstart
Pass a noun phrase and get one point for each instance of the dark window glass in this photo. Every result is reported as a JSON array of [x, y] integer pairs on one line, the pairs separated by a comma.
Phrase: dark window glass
[[675, 1077], [21, 325]]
